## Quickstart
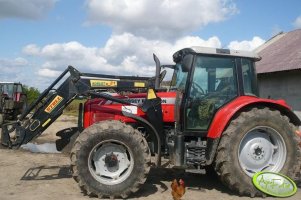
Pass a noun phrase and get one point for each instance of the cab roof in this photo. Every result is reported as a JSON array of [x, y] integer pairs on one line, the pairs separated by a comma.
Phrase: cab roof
[[6, 82], [215, 51]]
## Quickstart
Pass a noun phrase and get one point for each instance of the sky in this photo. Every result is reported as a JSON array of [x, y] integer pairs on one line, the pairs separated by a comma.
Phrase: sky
[[40, 38]]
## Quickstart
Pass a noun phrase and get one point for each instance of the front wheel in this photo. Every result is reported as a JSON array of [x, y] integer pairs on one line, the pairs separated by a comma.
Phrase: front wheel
[[110, 159], [257, 140]]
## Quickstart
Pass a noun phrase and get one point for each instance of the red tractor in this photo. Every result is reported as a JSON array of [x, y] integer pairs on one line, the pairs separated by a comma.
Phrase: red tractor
[[211, 116]]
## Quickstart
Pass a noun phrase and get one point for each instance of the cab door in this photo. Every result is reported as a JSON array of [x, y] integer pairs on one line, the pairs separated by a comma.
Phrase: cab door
[[213, 84]]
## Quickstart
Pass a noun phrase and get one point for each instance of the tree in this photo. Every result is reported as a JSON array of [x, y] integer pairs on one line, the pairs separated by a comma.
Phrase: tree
[[32, 93]]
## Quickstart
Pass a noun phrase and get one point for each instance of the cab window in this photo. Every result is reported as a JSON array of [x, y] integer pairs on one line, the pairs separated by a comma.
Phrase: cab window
[[249, 77], [213, 85]]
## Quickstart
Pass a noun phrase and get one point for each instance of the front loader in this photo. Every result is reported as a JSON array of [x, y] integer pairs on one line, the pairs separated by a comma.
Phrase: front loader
[[211, 116]]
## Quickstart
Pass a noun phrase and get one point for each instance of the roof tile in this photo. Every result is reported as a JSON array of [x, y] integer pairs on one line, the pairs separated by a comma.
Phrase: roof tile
[[282, 55]]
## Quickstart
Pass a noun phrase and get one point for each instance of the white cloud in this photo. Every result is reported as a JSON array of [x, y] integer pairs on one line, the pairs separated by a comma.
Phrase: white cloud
[[11, 68], [48, 73], [246, 45], [297, 22], [26, 9], [25, 71], [119, 47], [123, 54], [197, 41], [13, 63], [31, 49], [158, 18]]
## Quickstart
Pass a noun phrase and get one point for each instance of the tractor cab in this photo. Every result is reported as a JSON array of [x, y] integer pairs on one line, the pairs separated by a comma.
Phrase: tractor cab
[[11, 90], [12, 101], [206, 79]]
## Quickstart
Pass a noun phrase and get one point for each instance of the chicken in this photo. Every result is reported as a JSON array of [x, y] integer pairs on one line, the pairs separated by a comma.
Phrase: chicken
[[177, 189], [298, 132]]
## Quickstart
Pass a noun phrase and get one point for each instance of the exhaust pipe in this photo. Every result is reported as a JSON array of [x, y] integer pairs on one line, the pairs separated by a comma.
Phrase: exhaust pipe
[[158, 69]]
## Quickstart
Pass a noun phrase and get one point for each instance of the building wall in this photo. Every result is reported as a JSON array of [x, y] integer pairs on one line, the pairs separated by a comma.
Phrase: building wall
[[282, 85]]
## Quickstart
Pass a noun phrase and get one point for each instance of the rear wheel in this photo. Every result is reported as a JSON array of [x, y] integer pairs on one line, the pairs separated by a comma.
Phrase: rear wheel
[[110, 159], [257, 140]]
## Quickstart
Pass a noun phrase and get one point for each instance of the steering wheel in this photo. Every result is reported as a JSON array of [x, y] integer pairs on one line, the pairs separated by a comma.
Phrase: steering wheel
[[198, 88]]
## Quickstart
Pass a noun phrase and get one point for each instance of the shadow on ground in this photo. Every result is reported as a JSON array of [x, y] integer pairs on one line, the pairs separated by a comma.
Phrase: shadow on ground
[[47, 173], [158, 181], [193, 181]]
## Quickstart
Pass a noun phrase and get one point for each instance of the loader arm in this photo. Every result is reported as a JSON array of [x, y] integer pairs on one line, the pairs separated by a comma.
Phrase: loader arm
[[71, 83]]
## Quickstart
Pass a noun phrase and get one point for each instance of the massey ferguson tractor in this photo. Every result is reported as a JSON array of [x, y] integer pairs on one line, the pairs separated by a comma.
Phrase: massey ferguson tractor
[[210, 116]]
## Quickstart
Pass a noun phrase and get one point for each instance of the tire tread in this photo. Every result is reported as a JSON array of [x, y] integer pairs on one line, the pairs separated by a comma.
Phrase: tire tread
[[101, 128], [223, 165]]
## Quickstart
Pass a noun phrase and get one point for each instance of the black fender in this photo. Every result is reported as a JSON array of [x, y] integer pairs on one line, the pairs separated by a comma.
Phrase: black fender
[[150, 127]]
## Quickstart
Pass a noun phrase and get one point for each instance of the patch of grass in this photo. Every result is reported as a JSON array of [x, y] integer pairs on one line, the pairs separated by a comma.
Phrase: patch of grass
[[72, 108]]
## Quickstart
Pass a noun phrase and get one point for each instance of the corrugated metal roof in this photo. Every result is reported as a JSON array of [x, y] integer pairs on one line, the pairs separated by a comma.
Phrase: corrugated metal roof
[[282, 54]]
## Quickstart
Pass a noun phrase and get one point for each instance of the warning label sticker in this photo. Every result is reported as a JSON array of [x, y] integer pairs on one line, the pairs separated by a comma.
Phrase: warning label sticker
[[54, 104], [130, 109], [102, 83]]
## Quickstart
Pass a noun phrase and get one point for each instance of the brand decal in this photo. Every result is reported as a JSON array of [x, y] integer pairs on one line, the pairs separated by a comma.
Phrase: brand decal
[[139, 101], [139, 84], [274, 184], [102, 83], [54, 104]]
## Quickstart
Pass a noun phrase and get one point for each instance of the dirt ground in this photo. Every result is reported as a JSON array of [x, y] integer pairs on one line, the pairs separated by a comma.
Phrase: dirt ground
[[29, 176]]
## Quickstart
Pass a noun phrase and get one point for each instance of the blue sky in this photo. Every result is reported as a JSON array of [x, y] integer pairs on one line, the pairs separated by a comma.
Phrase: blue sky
[[39, 38], [256, 18]]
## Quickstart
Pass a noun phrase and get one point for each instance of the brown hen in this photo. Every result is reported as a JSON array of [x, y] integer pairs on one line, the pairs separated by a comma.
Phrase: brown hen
[[177, 189]]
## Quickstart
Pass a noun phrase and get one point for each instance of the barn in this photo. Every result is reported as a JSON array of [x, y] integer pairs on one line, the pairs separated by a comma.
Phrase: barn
[[279, 70]]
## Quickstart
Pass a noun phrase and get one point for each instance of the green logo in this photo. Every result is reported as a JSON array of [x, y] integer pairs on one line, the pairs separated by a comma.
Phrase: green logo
[[274, 184]]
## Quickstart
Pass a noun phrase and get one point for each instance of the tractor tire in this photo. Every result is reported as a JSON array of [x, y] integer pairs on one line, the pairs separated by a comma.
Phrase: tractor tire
[[110, 159], [258, 139]]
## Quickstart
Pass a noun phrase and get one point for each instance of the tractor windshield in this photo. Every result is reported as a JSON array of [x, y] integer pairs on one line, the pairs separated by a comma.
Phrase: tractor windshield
[[179, 78], [7, 89]]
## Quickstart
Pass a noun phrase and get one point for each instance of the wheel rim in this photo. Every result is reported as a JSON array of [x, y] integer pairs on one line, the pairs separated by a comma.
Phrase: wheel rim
[[262, 148], [111, 162]]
